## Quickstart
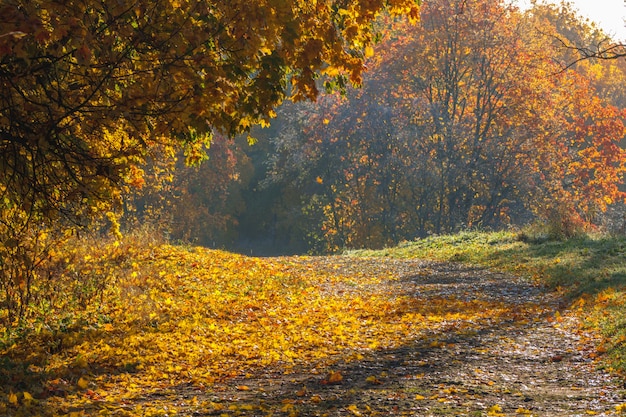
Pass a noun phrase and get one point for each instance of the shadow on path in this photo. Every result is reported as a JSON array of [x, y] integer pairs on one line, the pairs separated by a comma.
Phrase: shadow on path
[[528, 365]]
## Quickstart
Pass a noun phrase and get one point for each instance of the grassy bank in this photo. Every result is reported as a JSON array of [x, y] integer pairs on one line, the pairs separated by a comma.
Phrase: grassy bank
[[590, 271]]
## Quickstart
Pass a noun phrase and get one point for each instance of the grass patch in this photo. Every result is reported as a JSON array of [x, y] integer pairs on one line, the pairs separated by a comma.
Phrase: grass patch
[[589, 270]]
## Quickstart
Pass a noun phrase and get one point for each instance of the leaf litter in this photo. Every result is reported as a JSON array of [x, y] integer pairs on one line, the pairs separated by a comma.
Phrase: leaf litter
[[203, 333]]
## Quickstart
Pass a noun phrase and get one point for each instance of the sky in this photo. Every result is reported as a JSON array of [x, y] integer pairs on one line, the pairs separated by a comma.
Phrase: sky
[[608, 14]]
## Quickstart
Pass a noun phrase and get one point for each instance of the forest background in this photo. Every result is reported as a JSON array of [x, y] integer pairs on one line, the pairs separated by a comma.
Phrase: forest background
[[481, 116]]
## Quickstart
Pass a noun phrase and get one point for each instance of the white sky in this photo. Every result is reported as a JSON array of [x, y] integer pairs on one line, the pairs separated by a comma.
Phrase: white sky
[[608, 14]]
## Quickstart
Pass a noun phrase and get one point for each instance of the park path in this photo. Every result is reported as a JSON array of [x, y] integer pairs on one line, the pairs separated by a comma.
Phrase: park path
[[537, 362]]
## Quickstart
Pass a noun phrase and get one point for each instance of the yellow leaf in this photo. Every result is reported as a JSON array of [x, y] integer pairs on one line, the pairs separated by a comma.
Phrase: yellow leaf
[[372, 380], [243, 388], [82, 383], [494, 410], [12, 398], [81, 362], [217, 406], [558, 316], [420, 397], [451, 390], [369, 51], [523, 411], [252, 140], [331, 71], [335, 377], [354, 410], [436, 344], [245, 122], [27, 396]]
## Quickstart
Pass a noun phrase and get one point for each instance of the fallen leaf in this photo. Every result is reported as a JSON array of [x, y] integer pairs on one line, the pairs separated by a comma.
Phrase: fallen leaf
[[495, 410], [82, 383], [373, 380], [333, 378], [287, 408], [81, 362], [354, 410]]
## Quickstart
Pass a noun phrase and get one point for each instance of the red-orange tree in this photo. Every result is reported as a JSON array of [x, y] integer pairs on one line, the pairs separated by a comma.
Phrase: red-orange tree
[[464, 120]]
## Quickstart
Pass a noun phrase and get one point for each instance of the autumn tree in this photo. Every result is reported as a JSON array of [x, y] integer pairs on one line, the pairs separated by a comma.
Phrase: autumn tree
[[578, 38], [77, 74], [411, 146], [463, 120], [569, 33], [593, 54], [89, 89], [340, 163]]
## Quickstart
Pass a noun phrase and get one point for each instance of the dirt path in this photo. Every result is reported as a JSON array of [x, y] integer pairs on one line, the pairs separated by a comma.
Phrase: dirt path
[[534, 365]]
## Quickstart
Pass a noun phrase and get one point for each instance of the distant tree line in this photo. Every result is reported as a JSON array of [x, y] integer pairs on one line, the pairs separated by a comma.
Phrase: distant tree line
[[475, 117]]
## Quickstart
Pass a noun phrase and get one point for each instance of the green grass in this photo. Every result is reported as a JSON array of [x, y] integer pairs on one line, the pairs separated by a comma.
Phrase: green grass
[[589, 267]]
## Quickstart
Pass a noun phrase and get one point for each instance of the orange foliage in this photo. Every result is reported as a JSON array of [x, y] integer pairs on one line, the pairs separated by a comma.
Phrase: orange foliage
[[464, 120]]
